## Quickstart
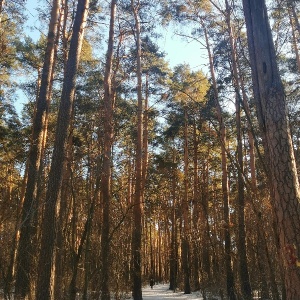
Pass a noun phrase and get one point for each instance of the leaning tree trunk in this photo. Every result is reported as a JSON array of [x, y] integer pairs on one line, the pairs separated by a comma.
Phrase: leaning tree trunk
[[25, 247], [59, 153], [137, 209], [272, 116]]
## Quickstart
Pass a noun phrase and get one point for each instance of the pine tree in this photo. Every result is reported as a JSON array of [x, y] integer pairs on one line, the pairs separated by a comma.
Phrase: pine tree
[[272, 115]]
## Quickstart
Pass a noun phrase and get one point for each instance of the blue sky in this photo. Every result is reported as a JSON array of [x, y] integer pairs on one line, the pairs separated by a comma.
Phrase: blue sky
[[180, 51], [177, 49]]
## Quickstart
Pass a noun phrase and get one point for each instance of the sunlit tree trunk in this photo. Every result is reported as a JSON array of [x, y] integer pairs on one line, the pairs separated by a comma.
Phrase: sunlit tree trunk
[[159, 254], [295, 36], [185, 245], [145, 136], [59, 153], [272, 116], [25, 247], [204, 215], [196, 212], [173, 257], [2, 3]]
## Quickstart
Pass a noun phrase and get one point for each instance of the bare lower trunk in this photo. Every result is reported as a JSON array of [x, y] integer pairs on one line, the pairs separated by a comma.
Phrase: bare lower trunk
[[185, 246], [196, 210], [2, 3], [173, 258]]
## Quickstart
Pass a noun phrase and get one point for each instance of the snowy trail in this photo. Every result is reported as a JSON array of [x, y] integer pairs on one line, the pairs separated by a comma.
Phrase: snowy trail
[[161, 291]]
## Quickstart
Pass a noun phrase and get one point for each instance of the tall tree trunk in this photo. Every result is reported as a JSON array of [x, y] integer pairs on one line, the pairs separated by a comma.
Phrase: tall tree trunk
[[60, 244], [225, 184], [137, 209], [291, 5], [145, 136], [107, 158], [272, 116], [64, 197], [173, 257], [196, 212], [295, 34], [263, 252], [185, 245], [59, 152], [242, 254], [241, 243], [2, 3], [206, 239], [25, 249], [87, 227]]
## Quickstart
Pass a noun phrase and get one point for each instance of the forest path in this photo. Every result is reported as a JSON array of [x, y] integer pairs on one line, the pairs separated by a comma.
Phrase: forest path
[[161, 292]]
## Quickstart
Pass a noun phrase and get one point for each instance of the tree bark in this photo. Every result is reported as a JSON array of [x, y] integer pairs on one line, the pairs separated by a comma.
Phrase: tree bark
[[137, 210], [272, 115], [225, 184], [173, 257], [294, 36], [59, 151], [2, 3], [107, 158], [291, 5], [185, 245], [206, 266], [263, 251], [25, 247], [196, 211], [87, 227], [59, 266], [241, 242]]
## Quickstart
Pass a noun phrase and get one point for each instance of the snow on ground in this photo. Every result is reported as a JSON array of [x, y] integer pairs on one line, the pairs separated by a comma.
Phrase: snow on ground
[[161, 292]]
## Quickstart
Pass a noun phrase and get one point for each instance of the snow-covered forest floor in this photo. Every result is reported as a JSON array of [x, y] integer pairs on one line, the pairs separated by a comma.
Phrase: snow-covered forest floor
[[161, 291]]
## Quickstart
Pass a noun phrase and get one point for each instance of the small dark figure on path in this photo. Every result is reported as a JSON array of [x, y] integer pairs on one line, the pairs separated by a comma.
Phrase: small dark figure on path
[[151, 282]]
